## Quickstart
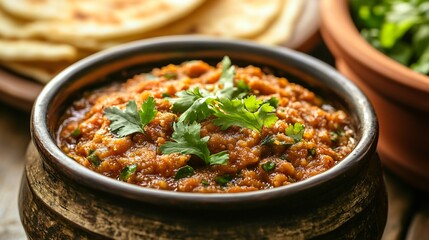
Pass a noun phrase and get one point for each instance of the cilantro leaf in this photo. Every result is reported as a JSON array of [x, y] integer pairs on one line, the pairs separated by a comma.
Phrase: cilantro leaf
[[242, 90], [187, 140], [248, 113], [193, 106], [295, 131], [185, 99], [268, 140], [148, 111], [185, 171], [226, 79], [312, 151], [205, 183], [273, 101], [76, 133], [131, 121], [397, 28], [223, 179], [93, 158], [127, 172], [124, 123], [228, 73], [268, 166]]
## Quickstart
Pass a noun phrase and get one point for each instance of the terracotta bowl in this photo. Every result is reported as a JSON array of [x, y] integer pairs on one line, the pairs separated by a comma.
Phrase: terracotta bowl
[[400, 95], [63, 200]]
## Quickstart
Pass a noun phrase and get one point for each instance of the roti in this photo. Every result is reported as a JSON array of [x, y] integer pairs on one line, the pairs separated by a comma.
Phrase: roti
[[38, 38], [32, 50], [221, 18], [95, 19], [40, 71], [280, 31], [235, 19]]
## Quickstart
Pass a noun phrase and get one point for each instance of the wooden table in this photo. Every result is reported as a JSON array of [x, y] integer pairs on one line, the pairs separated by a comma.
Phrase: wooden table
[[408, 208]]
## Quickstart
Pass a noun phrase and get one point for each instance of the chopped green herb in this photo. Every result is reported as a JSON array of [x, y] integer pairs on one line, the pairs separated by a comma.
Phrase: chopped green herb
[[242, 90], [76, 133], [165, 95], [312, 151], [334, 136], [273, 101], [283, 157], [248, 113], [223, 179], [295, 131], [93, 158], [268, 140], [193, 105], [268, 166], [187, 140], [131, 121], [127, 172], [205, 183], [397, 28], [185, 171], [170, 75], [228, 72], [226, 79]]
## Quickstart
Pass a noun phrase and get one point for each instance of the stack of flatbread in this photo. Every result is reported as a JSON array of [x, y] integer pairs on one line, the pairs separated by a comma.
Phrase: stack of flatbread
[[39, 38]]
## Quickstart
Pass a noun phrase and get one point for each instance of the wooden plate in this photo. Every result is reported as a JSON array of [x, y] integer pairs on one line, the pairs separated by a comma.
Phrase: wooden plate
[[21, 92]]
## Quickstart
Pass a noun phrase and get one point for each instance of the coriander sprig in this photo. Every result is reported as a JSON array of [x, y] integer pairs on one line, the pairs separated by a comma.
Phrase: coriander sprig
[[247, 113], [193, 105], [295, 131], [187, 140], [130, 121]]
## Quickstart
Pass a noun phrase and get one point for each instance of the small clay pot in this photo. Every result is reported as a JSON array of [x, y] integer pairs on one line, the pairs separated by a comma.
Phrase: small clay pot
[[60, 199], [400, 95]]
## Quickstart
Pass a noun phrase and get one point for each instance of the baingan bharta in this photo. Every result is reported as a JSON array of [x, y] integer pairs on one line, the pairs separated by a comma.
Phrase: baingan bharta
[[199, 128]]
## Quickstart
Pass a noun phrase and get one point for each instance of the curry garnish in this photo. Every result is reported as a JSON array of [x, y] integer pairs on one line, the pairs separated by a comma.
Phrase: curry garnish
[[248, 113], [193, 105], [185, 171], [223, 179], [268, 140], [131, 121], [268, 166], [187, 140], [76, 133], [295, 131], [312, 152], [93, 158], [127, 172]]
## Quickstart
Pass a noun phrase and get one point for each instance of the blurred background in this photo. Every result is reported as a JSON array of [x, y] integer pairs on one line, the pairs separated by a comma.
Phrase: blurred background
[[38, 39]]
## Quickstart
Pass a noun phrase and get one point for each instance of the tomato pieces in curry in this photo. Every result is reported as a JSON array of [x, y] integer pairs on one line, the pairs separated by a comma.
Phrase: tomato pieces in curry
[[199, 128]]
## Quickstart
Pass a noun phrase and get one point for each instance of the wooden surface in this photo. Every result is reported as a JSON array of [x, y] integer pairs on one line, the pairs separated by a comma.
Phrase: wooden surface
[[408, 208], [14, 137]]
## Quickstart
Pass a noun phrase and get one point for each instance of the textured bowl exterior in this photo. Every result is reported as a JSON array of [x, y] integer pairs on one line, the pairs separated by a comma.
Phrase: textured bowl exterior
[[400, 96], [61, 199]]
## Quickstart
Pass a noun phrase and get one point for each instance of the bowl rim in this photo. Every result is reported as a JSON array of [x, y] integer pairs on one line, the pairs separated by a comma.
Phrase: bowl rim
[[53, 155], [336, 19]]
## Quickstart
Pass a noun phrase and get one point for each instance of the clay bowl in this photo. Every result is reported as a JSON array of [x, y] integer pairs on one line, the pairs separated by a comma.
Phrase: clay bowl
[[61, 199], [400, 95]]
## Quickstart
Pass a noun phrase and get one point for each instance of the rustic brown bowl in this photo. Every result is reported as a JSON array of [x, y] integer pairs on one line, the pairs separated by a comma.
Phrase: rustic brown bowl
[[63, 200], [400, 95]]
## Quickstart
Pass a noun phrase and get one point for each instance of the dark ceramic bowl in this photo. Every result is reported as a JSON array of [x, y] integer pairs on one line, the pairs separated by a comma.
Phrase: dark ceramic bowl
[[61, 199]]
